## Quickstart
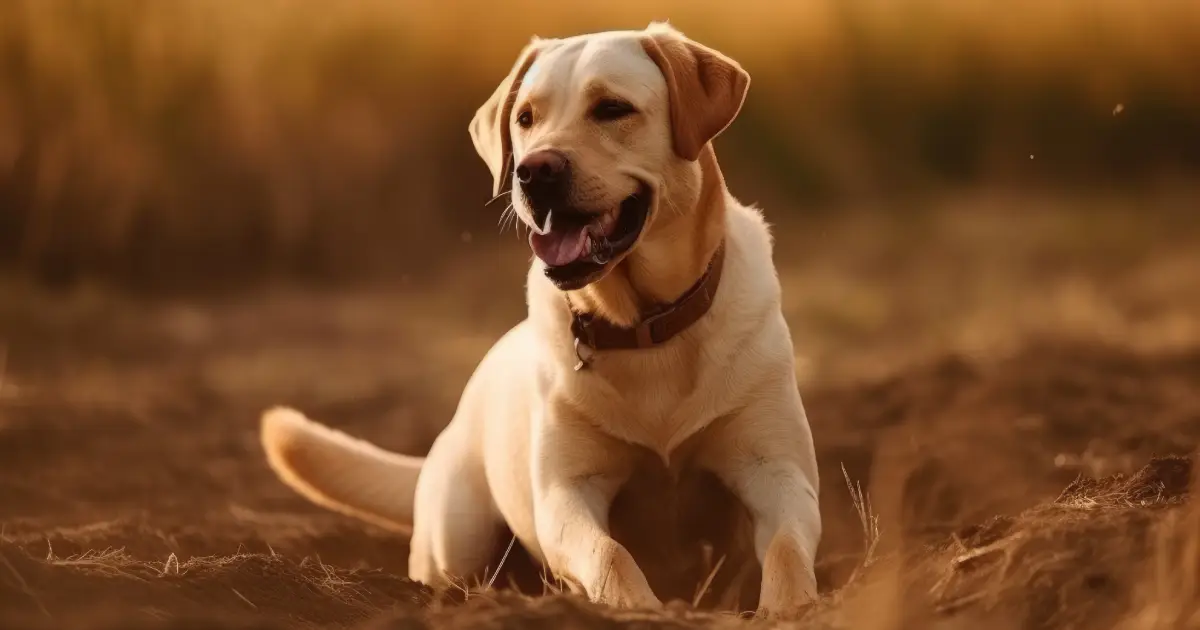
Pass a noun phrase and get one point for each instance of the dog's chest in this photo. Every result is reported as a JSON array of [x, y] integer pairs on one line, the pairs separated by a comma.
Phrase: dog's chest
[[657, 406]]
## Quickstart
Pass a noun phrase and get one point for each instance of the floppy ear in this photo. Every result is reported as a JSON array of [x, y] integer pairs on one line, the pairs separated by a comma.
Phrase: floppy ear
[[706, 88], [489, 127]]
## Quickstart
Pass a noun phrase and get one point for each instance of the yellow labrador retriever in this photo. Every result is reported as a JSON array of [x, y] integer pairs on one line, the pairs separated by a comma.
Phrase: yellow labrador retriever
[[655, 351]]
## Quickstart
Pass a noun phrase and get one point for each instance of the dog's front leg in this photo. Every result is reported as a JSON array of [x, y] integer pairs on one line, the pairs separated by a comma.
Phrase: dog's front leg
[[787, 527], [577, 472], [766, 458]]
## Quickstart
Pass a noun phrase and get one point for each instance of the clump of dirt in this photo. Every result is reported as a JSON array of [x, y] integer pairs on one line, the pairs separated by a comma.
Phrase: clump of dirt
[[1073, 563], [1163, 481]]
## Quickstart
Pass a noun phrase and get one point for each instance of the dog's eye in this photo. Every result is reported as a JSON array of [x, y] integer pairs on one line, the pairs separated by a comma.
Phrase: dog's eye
[[525, 119], [611, 109]]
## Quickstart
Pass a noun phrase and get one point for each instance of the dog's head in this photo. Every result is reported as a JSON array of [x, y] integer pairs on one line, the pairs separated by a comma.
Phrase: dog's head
[[598, 134]]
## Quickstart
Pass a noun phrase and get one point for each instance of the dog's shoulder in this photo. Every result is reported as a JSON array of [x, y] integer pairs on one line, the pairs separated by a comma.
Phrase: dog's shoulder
[[751, 269], [748, 223]]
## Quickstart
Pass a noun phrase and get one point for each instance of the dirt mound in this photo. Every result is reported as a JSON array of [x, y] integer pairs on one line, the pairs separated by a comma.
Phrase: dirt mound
[[1074, 563], [954, 441], [1077, 562]]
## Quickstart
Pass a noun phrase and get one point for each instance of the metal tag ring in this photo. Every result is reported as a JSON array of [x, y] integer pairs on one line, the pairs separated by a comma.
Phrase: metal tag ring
[[584, 353]]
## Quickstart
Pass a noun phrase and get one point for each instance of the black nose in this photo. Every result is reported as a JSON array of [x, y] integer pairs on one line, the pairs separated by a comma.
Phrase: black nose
[[545, 179], [542, 168]]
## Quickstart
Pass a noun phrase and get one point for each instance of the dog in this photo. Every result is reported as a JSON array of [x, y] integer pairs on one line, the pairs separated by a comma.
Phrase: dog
[[654, 341]]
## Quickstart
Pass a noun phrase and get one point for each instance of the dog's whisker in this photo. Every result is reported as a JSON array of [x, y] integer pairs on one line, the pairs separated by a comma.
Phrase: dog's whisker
[[507, 216], [510, 220], [497, 198], [518, 225]]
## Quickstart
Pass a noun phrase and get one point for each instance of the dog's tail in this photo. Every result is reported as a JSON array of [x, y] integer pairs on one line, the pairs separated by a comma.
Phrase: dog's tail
[[339, 472]]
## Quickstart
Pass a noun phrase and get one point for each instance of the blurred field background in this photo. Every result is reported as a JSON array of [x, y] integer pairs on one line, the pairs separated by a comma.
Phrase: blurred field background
[[987, 225], [209, 142]]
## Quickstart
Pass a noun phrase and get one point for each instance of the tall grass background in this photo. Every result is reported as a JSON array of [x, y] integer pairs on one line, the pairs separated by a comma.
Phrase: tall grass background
[[202, 142]]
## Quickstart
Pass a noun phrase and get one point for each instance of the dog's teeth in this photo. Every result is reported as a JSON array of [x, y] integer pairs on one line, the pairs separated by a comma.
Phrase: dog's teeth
[[600, 255]]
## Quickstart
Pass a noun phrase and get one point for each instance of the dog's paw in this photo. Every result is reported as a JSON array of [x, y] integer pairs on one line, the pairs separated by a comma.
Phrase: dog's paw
[[621, 583], [789, 588]]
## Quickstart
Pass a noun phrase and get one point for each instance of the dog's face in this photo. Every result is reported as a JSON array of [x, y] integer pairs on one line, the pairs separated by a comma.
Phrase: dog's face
[[597, 133]]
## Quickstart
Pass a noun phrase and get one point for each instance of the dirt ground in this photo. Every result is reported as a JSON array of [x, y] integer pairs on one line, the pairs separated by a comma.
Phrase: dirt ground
[[998, 375]]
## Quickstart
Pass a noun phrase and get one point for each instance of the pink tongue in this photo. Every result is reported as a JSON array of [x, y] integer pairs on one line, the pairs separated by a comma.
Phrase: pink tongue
[[559, 247]]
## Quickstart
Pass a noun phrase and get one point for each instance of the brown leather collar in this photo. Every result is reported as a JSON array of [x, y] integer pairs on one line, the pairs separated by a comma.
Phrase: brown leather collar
[[664, 323]]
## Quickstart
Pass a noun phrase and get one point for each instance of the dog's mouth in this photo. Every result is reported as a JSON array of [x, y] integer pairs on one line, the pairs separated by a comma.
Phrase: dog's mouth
[[578, 246]]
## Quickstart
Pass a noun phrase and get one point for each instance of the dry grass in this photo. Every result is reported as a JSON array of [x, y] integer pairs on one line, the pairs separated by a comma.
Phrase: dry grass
[[116, 584], [223, 140], [867, 519], [1169, 594]]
